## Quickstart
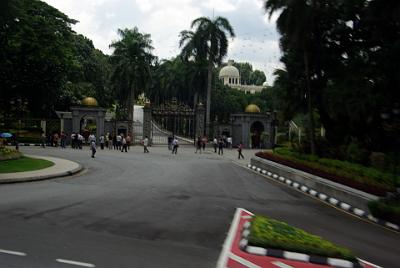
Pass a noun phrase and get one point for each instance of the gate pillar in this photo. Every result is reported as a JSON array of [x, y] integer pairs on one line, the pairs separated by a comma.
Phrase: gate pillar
[[147, 121]]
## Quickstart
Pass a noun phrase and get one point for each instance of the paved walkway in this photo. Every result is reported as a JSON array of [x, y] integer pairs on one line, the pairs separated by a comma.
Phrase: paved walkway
[[61, 167]]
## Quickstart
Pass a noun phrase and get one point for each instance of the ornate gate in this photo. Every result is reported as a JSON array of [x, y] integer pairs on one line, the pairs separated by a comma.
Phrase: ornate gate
[[173, 119]]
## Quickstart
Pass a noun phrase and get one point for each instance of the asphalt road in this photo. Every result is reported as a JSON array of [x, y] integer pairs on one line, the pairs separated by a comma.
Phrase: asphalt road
[[158, 210]]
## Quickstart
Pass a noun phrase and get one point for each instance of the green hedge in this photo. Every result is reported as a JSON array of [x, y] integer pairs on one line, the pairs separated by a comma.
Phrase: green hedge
[[345, 169], [269, 233], [388, 210]]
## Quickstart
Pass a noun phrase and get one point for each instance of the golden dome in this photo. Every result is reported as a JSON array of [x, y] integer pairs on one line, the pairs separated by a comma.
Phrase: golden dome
[[89, 101], [252, 108]]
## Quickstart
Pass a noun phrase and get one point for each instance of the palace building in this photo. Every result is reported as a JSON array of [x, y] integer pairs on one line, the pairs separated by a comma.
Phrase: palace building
[[230, 76]]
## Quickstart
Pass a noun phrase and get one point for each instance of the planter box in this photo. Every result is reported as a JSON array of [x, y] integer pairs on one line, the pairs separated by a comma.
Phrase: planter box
[[354, 197]]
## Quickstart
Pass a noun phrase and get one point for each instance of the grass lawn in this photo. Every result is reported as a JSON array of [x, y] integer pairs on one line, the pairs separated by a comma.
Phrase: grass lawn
[[269, 233], [23, 164]]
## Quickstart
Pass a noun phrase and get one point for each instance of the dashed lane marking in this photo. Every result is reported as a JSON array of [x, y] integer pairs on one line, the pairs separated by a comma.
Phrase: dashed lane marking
[[11, 252], [77, 263]]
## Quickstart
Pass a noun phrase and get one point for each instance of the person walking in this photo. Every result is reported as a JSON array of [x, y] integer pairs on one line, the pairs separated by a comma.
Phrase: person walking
[[145, 145], [119, 141], [221, 146], [124, 147], [204, 141], [80, 141], [101, 140], [170, 139], [198, 145], [63, 138], [114, 140], [128, 141], [229, 141], [215, 144], [43, 139], [93, 147], [107, 140], [240, 148], [175, 146]]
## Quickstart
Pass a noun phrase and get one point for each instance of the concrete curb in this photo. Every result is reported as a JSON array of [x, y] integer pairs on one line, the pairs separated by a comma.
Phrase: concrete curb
[[53, 175], [326, 199], [288, 255]]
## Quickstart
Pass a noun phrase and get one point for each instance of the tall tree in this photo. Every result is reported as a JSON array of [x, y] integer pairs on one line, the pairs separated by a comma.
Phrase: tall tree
[[297, 24], [36, 54], [208, 42], [132, 61]]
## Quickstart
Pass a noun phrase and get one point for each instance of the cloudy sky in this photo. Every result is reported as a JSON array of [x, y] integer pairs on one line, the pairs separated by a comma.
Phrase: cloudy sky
[[256, 37]]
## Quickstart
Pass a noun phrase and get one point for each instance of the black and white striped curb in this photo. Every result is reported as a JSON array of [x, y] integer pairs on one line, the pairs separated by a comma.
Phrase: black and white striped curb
[[25, 144], [294, 256], [327, 199]]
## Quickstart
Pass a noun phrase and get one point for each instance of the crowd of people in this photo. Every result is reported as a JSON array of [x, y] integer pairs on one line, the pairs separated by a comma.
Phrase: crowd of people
[[123, 142]]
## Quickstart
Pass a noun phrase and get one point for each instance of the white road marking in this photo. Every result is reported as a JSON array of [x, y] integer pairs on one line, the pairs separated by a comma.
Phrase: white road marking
[[247, 217], [17, 253], [243, 261], [223, 258], [281, 264], [84, 264], [371, 264]]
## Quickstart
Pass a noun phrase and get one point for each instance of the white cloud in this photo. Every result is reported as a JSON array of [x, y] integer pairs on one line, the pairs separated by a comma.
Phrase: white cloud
[[256, 41], [220, 5]]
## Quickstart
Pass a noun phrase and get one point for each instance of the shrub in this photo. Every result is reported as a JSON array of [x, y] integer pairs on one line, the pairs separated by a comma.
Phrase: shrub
[[378, 160], [387, 209], [269, 233], [356, 154], [8, 153], [353, 175]]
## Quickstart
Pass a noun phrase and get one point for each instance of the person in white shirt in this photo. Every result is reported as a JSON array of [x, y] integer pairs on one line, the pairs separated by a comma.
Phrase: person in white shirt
[[119, 142], [124, 145], [175, 146]]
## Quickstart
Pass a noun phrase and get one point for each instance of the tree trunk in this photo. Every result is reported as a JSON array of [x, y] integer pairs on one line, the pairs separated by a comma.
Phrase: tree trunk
[[208, 107], [309, 104]]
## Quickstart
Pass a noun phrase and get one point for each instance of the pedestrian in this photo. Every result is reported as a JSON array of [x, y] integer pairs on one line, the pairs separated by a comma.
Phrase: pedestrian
[[101, 140], [175, 146], [128, 141], [198, 145], [43, 139], [110, 141], [119, 141], [80, 141], [93, 147], [215, 144], [204, 142], [124, 145], [145, 144], [114, 140], [63, 138], [91, 138], [55, 139], [221, 146], [229, 140], [240, 148], [170, 139], [107, 140]]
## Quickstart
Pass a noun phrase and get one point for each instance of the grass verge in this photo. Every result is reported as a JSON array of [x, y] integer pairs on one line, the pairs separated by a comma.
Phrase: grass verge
[[269, 233], [23, 164]]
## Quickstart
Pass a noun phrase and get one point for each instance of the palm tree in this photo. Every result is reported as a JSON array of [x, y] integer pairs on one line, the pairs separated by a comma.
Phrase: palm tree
[[207, 43], [132, 60], [296, 23]]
